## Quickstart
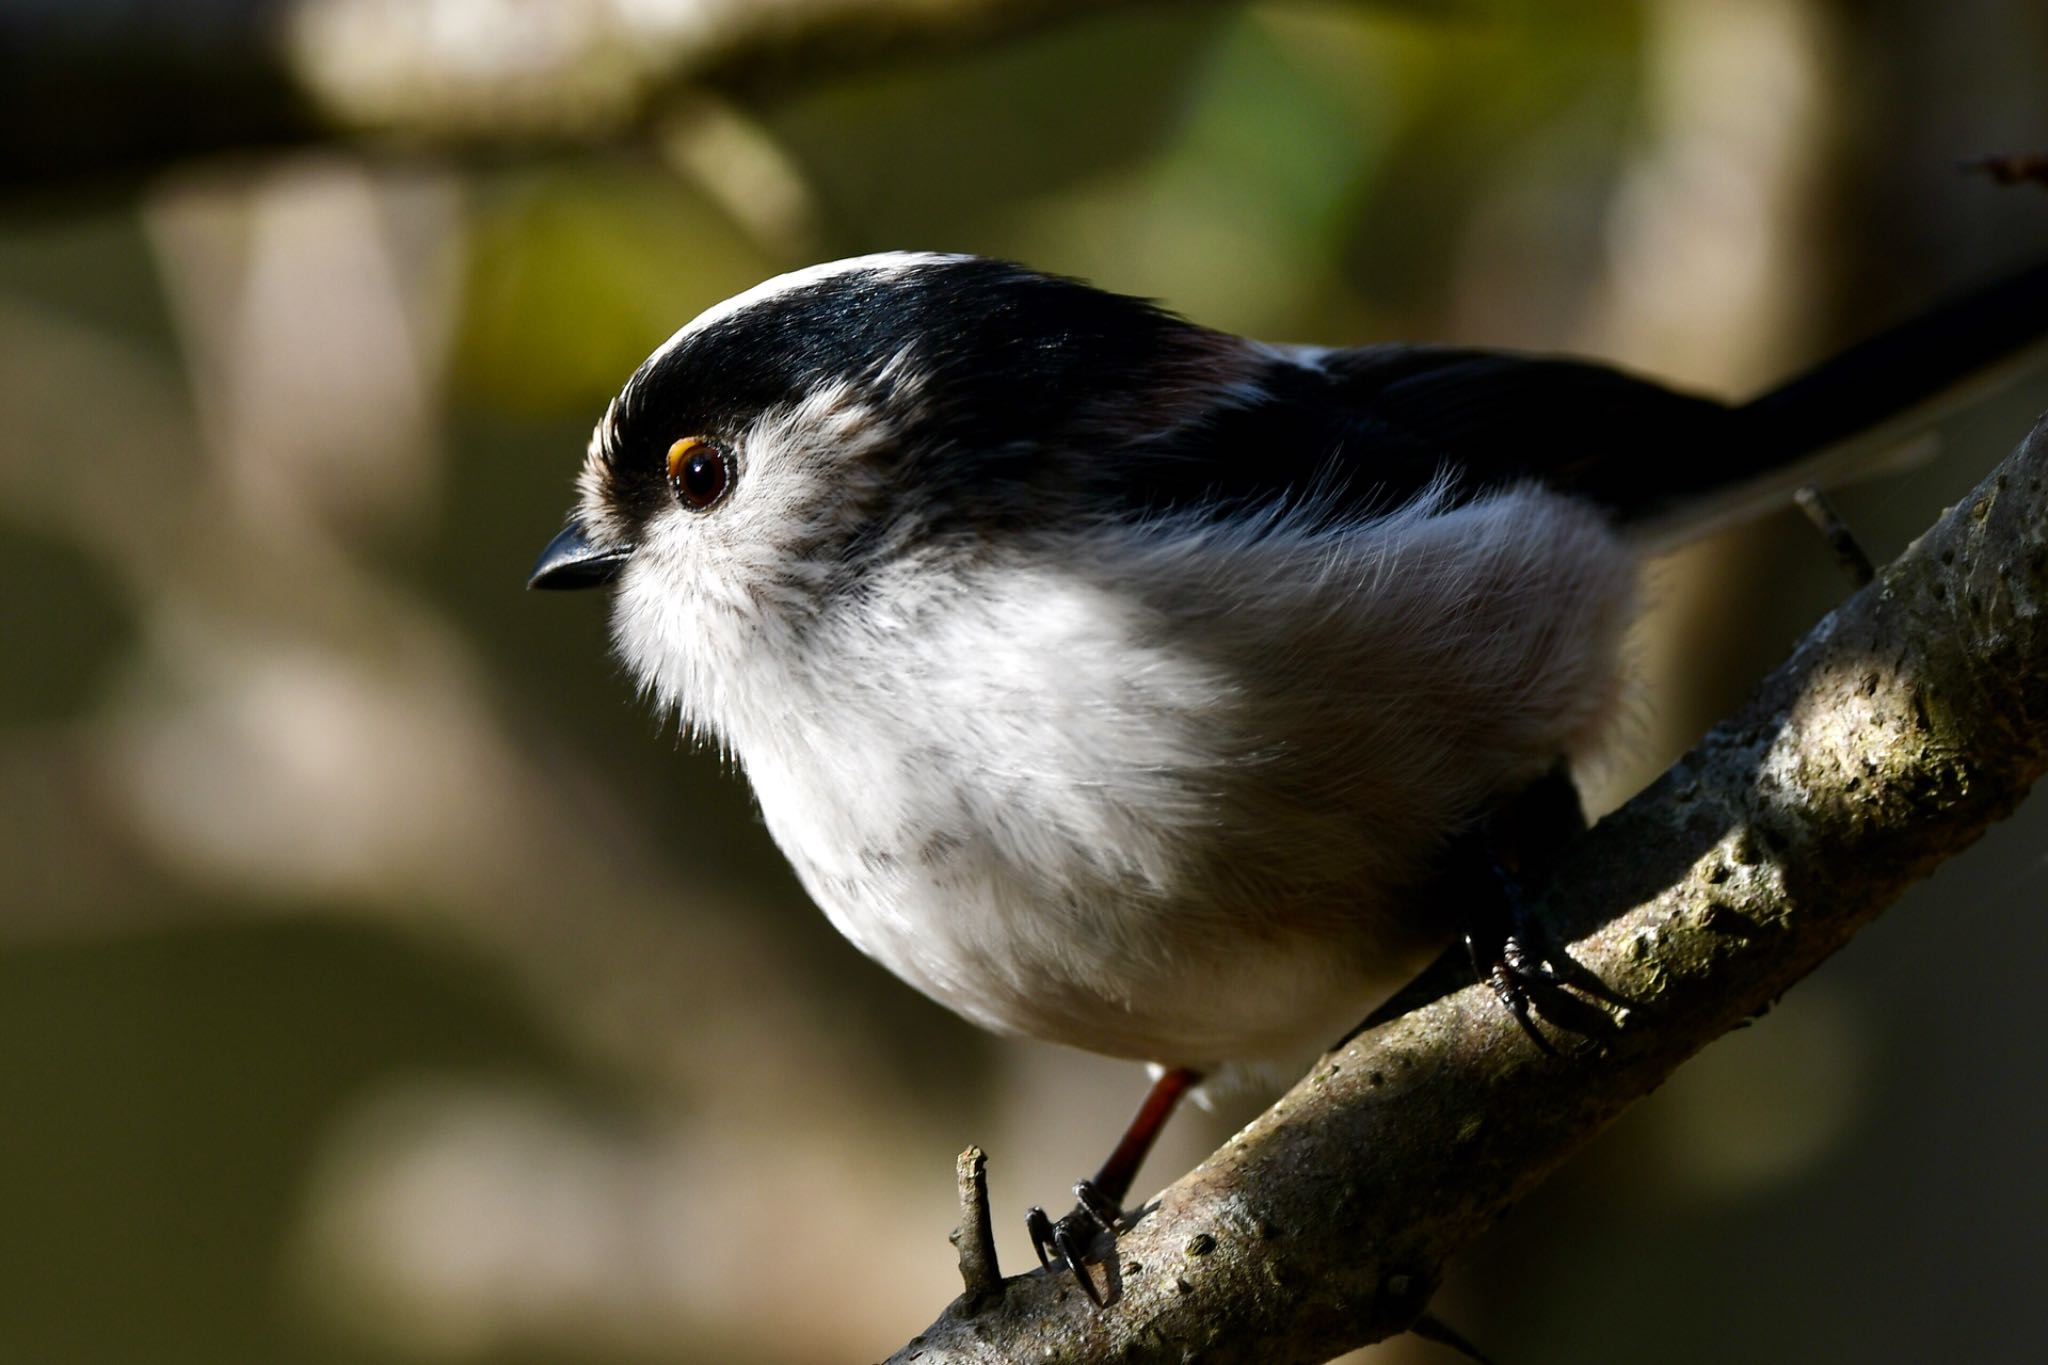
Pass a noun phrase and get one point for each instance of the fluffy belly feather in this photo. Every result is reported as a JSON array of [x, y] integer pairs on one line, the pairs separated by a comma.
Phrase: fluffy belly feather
[[1173, 806], [995, 945]]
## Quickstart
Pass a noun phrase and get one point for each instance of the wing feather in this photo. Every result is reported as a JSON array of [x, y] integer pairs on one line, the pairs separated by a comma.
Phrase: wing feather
[[1370, 428]]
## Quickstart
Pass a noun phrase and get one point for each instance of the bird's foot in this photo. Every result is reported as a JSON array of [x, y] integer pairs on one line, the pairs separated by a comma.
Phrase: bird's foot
[[1529, 974], [1097, 1214], [1510, 951], [1076, 1234]]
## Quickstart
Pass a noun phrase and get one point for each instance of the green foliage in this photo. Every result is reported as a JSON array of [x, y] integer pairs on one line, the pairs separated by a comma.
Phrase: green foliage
[[578, 271]]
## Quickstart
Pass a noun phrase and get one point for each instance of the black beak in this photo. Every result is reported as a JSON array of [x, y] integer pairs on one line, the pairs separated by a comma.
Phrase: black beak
[[571, 561]]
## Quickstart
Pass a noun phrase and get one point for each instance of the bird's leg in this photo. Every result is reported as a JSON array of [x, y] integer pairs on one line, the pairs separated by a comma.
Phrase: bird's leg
[[1514, 851], [1112, 1183], [1099, 1206]]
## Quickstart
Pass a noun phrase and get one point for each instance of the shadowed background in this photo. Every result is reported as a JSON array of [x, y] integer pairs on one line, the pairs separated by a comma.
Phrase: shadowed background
[[381, 982]]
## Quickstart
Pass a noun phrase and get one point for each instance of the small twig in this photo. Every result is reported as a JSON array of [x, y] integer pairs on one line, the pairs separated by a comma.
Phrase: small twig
[[1848, 552], [1430, 1327], [975, 1238], [2013, 168]]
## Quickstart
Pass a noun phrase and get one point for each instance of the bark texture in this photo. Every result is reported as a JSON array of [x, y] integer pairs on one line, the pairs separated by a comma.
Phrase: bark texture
[[1908, 721]]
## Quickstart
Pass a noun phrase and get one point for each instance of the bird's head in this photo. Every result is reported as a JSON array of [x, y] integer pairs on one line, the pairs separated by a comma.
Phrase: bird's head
[[767, 456]]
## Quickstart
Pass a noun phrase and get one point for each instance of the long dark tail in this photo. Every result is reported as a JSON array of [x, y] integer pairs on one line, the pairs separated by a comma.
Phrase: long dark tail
[[1838, 419], [1913, 364]]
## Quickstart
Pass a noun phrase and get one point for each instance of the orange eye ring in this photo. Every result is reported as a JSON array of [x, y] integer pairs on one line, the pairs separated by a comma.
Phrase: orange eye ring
[[699, 473]]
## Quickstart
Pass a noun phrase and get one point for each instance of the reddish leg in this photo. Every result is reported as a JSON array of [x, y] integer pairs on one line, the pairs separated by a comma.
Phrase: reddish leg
[[1101, 1200], [1113, 1181]]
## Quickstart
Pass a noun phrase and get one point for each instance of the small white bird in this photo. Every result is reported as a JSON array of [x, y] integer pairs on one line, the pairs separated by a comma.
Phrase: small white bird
[[1124, 683]]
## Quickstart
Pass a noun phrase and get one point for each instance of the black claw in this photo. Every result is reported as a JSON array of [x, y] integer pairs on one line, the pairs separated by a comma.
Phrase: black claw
[[1091, 1201], [1068, 1241], [1508, 948], [1063, 1236], [1510, 983], [1097, 1212], [1531, 983], [1040, 1229]]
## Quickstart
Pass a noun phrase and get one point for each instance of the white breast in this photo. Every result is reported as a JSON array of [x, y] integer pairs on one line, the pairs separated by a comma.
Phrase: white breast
[[1159, 792]]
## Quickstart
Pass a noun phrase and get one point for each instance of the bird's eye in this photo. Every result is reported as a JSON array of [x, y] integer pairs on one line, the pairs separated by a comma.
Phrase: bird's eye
[[699, 472]]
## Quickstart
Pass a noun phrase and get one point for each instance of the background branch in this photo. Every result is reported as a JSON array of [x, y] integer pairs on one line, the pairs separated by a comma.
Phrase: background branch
[[93, 90], [1907, 722]]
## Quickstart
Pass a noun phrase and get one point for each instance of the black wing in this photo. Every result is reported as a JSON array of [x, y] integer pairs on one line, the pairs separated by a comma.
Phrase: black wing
[[1371, 427], [1368, 429]]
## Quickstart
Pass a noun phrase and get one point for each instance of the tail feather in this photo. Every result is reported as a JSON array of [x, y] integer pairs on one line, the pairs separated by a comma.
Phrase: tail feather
[[1858, 413], [1961, 343]]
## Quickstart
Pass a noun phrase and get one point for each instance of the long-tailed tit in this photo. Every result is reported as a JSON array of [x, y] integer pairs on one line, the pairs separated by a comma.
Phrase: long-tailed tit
[[1128, 684]]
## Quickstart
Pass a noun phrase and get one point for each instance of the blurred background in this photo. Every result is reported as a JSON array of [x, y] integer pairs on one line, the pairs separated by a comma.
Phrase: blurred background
[[380, 982]]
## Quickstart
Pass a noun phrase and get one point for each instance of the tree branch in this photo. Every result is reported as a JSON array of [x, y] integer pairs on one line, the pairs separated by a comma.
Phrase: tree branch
[[92, 90], [1907, 722]]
